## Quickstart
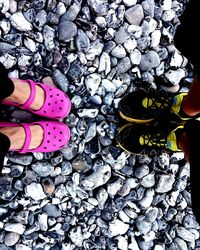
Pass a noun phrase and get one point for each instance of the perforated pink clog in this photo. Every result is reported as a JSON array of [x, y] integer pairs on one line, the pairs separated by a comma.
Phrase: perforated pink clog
[[56, 135], [56, 104]]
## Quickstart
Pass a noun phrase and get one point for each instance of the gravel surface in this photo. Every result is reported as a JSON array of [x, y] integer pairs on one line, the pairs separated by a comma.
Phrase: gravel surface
[[91, 194]]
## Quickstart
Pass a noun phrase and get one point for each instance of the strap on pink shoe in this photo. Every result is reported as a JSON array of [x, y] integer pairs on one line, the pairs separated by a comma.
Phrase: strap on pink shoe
[[27, 138], [31, 98]]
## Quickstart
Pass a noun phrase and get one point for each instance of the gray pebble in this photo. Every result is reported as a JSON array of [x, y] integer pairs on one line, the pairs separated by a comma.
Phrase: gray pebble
[[66, 31]]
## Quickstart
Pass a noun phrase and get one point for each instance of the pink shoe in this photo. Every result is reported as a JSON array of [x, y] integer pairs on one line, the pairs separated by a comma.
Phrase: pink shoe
[[56, 135], [56, 104]]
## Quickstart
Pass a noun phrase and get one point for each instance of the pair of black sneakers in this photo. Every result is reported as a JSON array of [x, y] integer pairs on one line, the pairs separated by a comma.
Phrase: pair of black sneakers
[[155, 121]]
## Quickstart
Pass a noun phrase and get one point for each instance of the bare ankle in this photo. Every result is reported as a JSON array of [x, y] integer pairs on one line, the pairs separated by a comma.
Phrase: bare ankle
[[183, 144], [16, 136], [191, 103]]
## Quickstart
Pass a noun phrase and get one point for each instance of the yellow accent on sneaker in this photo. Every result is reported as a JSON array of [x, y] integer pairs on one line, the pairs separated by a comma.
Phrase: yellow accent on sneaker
[[144, 140], [129, 119], [170, 144], [177, 102], [172, 139], [147, 103]]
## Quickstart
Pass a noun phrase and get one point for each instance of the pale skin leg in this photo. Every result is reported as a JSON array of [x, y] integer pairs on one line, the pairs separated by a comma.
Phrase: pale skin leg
[[17, 136], [22, 92]]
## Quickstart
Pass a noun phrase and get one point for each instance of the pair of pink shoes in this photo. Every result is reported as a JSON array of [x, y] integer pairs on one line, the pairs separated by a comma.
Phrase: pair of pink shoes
[[56, 105]]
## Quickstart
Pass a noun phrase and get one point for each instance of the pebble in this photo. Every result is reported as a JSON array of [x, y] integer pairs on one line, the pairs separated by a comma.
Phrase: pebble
[[135, 57], [129, 3], [166, 4], [49, 35], [22, 247], [175, 76], [104, 63], [35, 191], [20, 23], [43, 221], [121, 35], [97, 178], [48, 186], [61, 80], [5, 4], [15, 228], [92, 83], [52, 211], [148, 180], [135, 14], [95, 49], [165, 183], [66, 31], [155, 38], [149, 7], [11, 239], [43, 169], [118, 51], [117, 227], [76, 236], [149, 60]]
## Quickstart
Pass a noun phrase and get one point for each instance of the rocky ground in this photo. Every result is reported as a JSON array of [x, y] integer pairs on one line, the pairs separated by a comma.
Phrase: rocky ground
[[91, 194]]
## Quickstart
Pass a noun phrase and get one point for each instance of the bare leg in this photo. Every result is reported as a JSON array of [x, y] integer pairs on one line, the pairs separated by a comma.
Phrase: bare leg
[[17, 135], [183, 143], [191, 107], [191, 103], [22, 92]]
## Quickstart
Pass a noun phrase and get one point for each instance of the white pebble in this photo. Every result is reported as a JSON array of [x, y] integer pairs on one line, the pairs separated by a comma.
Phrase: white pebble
[[92, 82], [129, 3], [108, 85], [168, 15], [118, 51], [30, 44], [20, 23], [117, 227], [166, 4], [155, 38], [101, 21], [35, 191], [135, 57], [61, 9], [4, 6], [22, 247], [130, 44], [13, 6], [15, 228]]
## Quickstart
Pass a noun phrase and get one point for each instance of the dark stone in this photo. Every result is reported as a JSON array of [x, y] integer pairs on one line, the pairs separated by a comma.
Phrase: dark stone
[[76, 70]]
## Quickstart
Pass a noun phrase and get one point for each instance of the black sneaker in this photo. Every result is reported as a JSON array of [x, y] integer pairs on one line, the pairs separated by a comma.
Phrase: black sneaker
[[145, 138], [144, 106]]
